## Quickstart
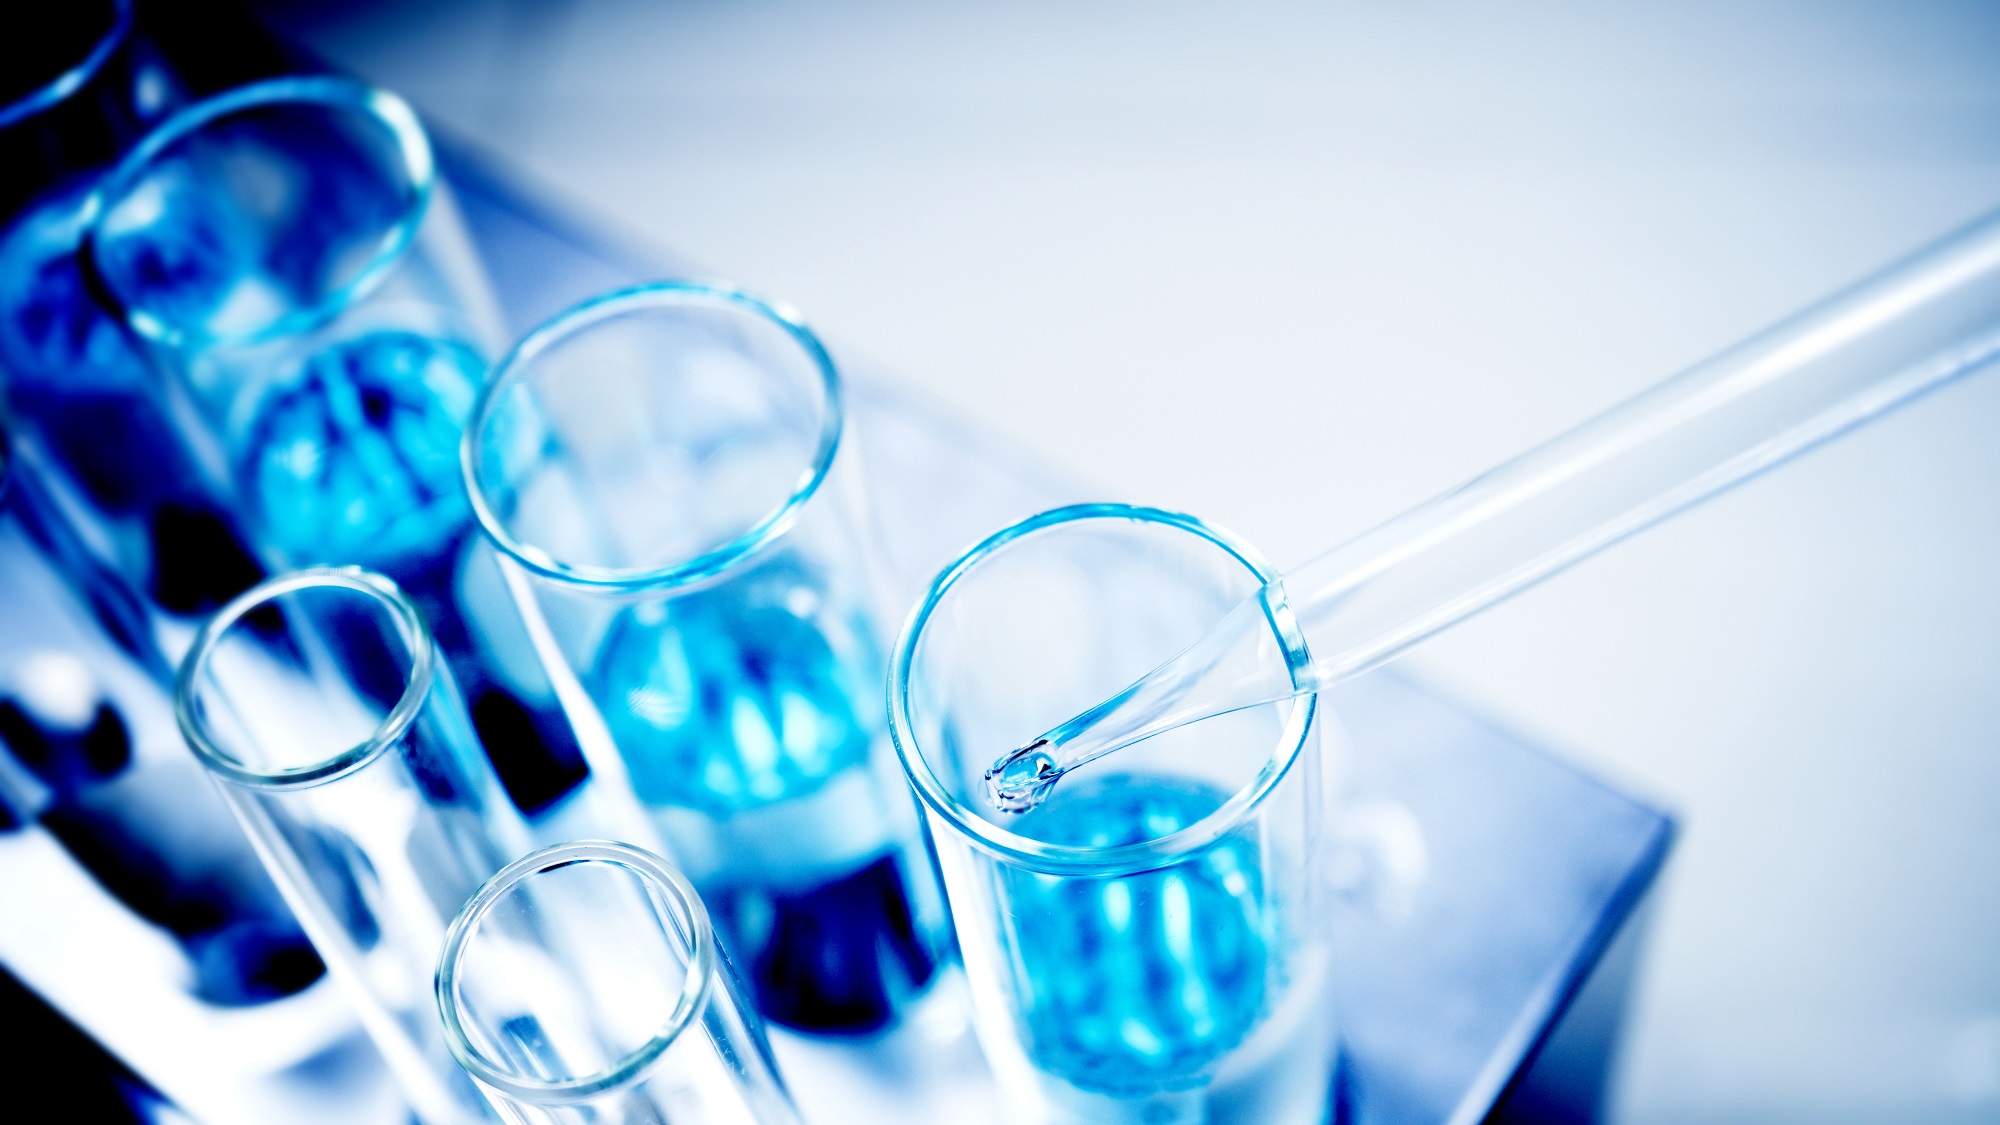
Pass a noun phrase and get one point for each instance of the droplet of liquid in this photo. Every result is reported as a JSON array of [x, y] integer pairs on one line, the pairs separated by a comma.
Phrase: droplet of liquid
[[1019, 782]]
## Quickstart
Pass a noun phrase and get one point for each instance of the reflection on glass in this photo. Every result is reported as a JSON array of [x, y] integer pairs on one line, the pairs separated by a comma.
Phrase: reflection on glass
[[658, 467], [1149, 944]]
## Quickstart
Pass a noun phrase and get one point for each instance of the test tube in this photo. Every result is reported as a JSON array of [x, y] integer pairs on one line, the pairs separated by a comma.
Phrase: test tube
[[1151, 944], [584, 983], [320, 703], [658, 468], [288, 255]]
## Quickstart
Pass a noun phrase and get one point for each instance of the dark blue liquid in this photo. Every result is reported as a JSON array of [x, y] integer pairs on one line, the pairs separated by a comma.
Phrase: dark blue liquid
[[1136, 984], [729, 702]]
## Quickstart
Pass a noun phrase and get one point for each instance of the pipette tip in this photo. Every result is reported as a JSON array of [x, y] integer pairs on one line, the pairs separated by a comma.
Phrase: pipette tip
[[1020, 781]]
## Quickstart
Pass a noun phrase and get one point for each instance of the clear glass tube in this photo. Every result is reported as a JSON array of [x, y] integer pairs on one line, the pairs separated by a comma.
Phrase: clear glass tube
[[583, 983], [288, 254], [320, 703], [1150, 945], [658, 467], [1915, 326]]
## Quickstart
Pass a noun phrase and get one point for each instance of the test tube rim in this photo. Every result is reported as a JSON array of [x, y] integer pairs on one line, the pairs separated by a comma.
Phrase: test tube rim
[[389, 110], [409, 623], [636, 1064], [1061, 859], [56, 90], [711, 564]]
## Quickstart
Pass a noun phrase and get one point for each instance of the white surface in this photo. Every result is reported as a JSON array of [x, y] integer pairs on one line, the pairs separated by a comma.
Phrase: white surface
[[1297, 267]]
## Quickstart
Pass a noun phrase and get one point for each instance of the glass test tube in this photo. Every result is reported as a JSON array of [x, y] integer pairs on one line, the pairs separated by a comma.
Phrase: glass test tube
[[658, 467], [583, 983], [1151, 944], [288, 255], [320, 702]]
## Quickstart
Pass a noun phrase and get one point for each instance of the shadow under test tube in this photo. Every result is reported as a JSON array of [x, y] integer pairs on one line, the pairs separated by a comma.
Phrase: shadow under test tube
[[658, 466], [319, 702], [584, 984], [1915, 326], [288, 256], [1152, 945]]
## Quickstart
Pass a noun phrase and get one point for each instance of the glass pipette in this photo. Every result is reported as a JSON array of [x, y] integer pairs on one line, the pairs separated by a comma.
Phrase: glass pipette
[[1912, 327]]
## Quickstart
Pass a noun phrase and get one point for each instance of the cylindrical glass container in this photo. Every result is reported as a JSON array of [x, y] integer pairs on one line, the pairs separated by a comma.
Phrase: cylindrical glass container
[[1150, 945], [288, 255], [658, 467], [320, 702], [583, 983]]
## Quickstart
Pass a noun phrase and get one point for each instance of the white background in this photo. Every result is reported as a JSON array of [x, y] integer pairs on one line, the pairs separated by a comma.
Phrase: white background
[[1296, 267]]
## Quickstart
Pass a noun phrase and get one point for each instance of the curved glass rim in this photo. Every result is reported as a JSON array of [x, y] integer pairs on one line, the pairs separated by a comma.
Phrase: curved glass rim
[[512, 370], [627, 1070], [1066, 859], [423, 668], [70, 81], [391, 111]]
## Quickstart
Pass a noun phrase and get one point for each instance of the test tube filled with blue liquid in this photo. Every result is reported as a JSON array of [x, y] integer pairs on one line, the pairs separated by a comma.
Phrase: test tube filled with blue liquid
[[1150, 944], [287, 256], [659, 468]]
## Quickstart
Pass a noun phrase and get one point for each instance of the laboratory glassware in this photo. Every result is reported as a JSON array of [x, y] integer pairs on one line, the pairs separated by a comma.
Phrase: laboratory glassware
[[153, 923], [1150, 945], [290, 258], [584, 983], [1915, 326], [658, 467], [320, 703]]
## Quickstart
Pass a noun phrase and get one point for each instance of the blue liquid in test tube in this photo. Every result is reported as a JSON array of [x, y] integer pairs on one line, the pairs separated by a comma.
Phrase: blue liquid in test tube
[[741, 727], [1137, 983]]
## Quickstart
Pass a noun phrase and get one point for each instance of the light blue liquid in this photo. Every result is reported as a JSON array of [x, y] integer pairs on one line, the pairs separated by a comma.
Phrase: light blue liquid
[[357, 462], [735, 700], [726, 701], [1136, 984]]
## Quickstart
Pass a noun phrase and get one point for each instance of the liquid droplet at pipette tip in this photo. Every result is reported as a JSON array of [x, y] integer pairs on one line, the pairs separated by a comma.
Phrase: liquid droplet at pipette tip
[[1020, 781]]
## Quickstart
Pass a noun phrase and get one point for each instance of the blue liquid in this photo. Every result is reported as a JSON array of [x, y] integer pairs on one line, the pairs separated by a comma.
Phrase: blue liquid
[[1134, 985], [358, 461], [727, 702]]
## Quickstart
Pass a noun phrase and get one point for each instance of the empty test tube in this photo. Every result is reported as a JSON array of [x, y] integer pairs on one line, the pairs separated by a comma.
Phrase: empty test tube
[[583, 983]]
